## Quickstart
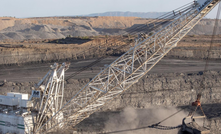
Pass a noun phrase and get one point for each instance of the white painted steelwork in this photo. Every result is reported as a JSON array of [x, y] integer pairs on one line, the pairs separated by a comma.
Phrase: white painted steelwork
[[52, 88], [10, 123], [19, 95], [17, 113], [14, 115], [21, 98], [9, 100], [127, 69]]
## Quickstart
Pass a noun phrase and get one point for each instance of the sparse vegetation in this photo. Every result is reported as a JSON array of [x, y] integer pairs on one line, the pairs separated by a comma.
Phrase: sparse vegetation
[[69, 36], [85, 37]]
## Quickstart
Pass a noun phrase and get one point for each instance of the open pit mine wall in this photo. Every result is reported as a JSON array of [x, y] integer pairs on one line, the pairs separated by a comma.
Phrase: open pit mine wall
[[169, 89], [172, 89], [8, 57], [18, 56]]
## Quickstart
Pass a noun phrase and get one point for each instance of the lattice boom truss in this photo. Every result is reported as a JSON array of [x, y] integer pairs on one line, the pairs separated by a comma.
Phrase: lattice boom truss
[[129, 68]]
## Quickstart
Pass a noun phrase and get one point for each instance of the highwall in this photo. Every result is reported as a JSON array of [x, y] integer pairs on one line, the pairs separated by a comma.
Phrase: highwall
[[33, 55], [164, 90], [168, 89], [195, 53]]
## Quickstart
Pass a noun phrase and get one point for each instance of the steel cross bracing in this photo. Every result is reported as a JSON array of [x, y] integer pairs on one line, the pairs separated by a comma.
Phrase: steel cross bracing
[[52, 88], [128, 69]]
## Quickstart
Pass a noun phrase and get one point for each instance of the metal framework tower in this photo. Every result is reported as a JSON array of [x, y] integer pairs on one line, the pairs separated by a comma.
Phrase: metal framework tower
[[52, 90], [121, 74]]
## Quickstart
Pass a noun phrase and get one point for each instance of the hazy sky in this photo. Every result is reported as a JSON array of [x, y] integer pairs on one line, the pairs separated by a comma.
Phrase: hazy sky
[[41, 8]]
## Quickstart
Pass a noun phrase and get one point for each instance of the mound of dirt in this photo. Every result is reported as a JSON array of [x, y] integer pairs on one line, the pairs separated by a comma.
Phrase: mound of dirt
[[3, 36], [61, 27], [14, 36], [17, 27], [42, 28], [30, 36], [33, 31], [81, 30]]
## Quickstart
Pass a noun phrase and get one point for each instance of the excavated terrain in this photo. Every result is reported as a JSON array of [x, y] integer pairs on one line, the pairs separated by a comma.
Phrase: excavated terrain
[[60, 27], [171, 86], [191, 47], [153, 98]]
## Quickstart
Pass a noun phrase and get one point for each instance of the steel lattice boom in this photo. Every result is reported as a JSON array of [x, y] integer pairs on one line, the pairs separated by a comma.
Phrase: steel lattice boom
[[129, 68]]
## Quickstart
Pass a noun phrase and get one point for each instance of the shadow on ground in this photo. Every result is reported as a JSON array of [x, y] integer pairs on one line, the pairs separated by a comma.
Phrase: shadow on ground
[[71, 40]]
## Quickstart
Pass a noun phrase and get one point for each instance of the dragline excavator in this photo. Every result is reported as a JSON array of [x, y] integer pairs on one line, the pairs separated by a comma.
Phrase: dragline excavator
[[49, 112], [124, 71]]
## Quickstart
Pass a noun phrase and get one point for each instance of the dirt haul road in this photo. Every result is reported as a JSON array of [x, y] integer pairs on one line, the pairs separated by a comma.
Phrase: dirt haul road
[[34, 72]]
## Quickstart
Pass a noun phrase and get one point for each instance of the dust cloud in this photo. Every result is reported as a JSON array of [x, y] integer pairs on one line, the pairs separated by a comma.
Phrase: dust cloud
[[134, 121]]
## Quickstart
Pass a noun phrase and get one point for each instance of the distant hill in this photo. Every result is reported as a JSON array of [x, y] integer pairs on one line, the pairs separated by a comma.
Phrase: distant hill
[[130, 14]]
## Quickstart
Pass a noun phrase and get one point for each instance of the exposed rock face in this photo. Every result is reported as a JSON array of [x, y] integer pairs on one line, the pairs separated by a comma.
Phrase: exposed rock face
[[153, 90], [32, 55], [66, 49], [156, 91], [47, 52], [171, 90], [194, 53], [197, 47]]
